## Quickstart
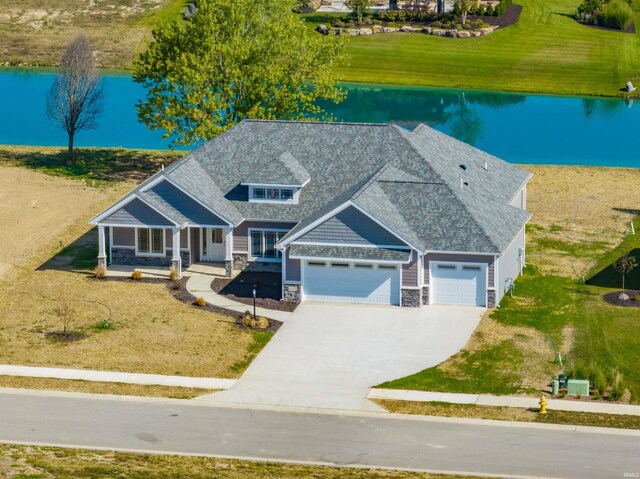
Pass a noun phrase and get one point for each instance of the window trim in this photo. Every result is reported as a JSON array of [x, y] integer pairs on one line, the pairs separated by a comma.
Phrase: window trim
[[295, 194], [262, 259], [151, 253]]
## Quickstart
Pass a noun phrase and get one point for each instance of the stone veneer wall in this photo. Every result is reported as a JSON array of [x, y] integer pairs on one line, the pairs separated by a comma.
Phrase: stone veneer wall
[[128, 256], [491, 298], [411, 298], [291, 293], [425, 295]]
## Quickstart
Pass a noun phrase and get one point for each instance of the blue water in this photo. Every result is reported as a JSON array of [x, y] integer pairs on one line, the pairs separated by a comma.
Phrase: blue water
[[518, 128]]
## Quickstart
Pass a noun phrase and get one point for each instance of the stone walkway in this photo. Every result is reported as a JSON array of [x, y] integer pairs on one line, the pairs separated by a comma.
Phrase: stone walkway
[[115, 377], [508, 401], [199, 285]]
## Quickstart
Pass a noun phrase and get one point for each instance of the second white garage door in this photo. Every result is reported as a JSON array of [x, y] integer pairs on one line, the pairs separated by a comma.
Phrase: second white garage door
[[458, 283], [351, 283]]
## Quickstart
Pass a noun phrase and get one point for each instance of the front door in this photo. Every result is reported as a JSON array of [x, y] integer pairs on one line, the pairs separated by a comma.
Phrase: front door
[[212, 242]]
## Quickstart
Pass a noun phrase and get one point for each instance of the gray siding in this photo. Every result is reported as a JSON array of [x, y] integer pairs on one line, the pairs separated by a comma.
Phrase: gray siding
[[124, 237], [184, 238], [466, 258], [136, 213], [410, 271], [241, 233], [509, 264], [293, 269], [350, 226], [184, 205]]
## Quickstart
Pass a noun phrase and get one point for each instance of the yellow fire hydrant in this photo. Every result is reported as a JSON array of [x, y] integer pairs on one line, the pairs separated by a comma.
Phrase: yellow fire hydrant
[[543, 405]]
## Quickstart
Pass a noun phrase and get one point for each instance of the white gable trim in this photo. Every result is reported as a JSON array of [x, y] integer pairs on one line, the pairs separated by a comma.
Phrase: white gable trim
[[122, 203], [208, 208]]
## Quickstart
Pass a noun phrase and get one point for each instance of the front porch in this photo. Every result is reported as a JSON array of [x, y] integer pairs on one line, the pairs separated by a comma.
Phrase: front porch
[[214, 270]]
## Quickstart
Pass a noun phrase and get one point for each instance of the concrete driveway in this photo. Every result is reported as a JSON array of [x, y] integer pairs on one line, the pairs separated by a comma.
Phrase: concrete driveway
[[329, 355]]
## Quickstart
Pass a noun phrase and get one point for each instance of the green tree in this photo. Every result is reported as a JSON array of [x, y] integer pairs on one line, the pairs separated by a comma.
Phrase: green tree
[[462, 8], [235, 60], [624, 265], [359, 7]]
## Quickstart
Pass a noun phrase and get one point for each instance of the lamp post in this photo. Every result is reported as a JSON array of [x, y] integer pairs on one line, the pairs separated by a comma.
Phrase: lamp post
[[254, 301]]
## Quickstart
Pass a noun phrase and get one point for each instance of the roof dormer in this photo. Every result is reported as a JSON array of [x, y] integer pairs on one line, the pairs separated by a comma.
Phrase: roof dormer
[[278, 181]]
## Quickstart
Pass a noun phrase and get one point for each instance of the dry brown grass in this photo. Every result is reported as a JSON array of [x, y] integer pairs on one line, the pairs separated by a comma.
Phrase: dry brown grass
[[583, 211], [101, 388], [34, 32], [31, 461], [152, 332]]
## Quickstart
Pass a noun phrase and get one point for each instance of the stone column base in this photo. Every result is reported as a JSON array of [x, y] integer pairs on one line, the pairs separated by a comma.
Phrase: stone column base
[[102, 261], [228, 268], [411, 298], [177, 264], [425, 295], [291, 293], [491, 298]]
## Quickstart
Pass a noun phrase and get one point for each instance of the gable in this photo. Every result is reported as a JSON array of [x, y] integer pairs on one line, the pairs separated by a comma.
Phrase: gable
[[182, 206], [136, 213], [350, 226]]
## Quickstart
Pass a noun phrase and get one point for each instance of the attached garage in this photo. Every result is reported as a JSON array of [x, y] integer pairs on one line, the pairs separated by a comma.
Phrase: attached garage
[[458, 283], [348, 282]]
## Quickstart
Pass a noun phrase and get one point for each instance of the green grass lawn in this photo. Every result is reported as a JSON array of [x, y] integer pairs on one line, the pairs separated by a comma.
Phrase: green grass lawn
[[547, 51], [605, 336]]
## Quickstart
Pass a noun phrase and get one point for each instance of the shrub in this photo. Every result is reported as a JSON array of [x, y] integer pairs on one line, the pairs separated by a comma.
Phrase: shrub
[[262, 323], [350, 24], [176, 285], [247, 319], [101, 271], [136, 275], [367, 21], [616, 14], [617, 386], [200, 302], [489, 11], [173, 274], [338, 24], [636, 297]]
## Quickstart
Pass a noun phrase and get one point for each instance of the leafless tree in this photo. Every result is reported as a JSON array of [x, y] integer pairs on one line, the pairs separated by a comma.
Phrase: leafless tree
[[75, 99]]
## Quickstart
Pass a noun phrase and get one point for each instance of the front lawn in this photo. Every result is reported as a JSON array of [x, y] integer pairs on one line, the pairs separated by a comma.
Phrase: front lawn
[[552, 311], [547, 51]]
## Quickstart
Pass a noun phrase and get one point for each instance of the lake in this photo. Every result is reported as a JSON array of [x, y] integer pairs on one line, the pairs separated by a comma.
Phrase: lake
[[518, 128]]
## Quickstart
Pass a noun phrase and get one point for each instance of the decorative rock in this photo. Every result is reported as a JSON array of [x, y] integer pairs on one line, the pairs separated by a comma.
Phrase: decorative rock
[[464, 34], [377, 29], [426, 30], [485, 31], [322, 29], [452, 33], [389, 29], [365, 31], [475, 34], [623, 296], [406, 28], [416, 29], [338, 31], [437, 32], [353, 31]]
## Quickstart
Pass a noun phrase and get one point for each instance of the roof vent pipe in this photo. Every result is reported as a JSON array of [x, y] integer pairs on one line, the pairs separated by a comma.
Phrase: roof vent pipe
[[486, 166], [162, 168]]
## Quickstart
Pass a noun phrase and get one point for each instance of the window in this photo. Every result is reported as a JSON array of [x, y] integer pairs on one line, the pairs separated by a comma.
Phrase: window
[[150, 241], [340, 265], [364, 266], [286, 194], [263, 244], [276, 193], [446, 266], [259, 193], [315, 263], [273, 193], [382, 266], [471, 268]]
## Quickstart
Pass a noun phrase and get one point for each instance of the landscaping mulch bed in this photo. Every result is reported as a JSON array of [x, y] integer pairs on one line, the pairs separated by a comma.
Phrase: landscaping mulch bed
[[630, 29], [240, 288], [511, 16], [612, 298]]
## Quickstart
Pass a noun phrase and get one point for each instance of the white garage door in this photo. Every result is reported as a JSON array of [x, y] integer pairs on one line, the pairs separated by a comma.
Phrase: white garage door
[[458, 283], [351, 283]]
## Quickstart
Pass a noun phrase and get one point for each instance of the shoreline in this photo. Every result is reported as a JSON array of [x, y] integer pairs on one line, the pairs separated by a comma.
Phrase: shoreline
[[118, 73]]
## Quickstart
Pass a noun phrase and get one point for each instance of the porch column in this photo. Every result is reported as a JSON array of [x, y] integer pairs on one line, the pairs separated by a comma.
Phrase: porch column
[[102, 253], [228, 251], [176, 260]]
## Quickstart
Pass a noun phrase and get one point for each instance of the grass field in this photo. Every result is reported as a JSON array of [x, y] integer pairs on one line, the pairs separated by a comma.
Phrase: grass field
[[34, 33], [26, 462], [581, 216], [545, 52], [511, 414], [47, 252]]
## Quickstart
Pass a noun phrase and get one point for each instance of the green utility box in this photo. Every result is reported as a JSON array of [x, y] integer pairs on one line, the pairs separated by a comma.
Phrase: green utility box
[[578, 387]]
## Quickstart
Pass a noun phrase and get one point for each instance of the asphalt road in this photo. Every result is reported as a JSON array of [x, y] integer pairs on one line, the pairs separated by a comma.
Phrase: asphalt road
[[342, 440]]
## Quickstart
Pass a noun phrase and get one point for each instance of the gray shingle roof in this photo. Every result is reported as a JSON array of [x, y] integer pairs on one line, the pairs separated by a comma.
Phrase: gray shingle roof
[[410, 181], [346, 252]]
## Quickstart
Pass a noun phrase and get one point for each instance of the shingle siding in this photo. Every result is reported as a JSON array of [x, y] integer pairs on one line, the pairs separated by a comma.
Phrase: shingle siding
[[124, 236], [350, 226], [293, 269], [136, 213], [509, 265]]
